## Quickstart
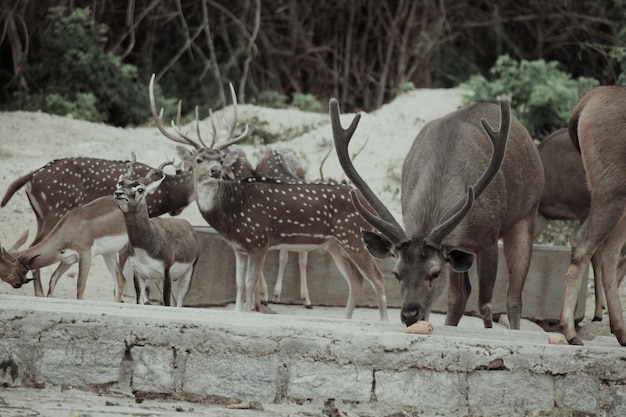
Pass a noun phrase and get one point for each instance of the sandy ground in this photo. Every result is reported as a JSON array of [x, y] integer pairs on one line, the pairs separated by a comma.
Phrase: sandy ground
[[30, 140]]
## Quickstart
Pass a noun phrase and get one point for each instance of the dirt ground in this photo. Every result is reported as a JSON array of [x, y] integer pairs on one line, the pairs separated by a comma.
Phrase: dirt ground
[[29, 140]]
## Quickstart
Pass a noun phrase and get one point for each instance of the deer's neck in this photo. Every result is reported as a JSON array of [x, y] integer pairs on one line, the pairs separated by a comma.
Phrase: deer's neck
[[218, 201], [139, 227], [174, 194]]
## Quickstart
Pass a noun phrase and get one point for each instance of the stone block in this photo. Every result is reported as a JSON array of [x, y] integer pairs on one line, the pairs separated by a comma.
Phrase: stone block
[[326, 380]]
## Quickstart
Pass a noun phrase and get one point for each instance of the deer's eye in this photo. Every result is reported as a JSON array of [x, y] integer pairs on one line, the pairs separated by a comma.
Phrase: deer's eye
[[140, 191], [396, 274], [434, 275]]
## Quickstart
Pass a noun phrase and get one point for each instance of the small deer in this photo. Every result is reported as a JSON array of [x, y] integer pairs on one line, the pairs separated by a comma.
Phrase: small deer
[[64, 184], [450, 165], [256, 215], [159, 249], [597, 129], [96, 228], [566, 197], [283, 164]]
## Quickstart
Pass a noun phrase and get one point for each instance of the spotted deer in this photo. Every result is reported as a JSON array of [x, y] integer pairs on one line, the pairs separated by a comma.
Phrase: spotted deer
[[282, 163], [256, 215], [64, 184], [160, 249], [464, 185], [566, 197], [597, 129], [97, 228]]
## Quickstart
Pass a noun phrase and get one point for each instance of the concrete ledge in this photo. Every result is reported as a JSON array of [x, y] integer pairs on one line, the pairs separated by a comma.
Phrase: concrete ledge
[[213, 355]]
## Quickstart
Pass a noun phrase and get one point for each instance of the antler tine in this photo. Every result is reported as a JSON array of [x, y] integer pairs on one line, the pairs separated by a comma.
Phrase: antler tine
[[233, 125], [148, 178], [499, 140], [159, 121], [131, 165], [323, 161], [198, 128], [386, 223]]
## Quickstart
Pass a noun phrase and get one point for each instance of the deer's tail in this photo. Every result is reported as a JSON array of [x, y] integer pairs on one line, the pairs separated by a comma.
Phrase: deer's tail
[[573, 122], [15, 185]]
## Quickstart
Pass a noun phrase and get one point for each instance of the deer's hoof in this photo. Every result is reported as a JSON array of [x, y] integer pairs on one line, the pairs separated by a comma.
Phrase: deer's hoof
[[575, 341], [308, 306], [596, 318]]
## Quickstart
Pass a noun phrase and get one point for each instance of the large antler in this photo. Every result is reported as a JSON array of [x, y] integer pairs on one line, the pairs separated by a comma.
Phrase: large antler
[[181, 137], [498, 140], [386, 223]]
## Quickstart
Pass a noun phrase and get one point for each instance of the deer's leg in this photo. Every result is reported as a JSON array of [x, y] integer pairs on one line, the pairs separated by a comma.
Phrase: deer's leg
[[518, 248], [609, 254], [262, 292], [303, 260], [84, 264], [184, 283], [254, 274], [167, 288], [37, 282], [283, 256], [541, 222], [598, 289], [487, 271], [140, 288], [352, 275], [110, 260], [458, 292], [122, 271], [241, 267], [600, 223], [56, 275], [368, 268]]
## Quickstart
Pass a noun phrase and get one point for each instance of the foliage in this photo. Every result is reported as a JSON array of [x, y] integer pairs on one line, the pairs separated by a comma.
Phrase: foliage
[[307, 102], [272, 99], [542, 96], [558, 233], [75, 75], [260, 134]]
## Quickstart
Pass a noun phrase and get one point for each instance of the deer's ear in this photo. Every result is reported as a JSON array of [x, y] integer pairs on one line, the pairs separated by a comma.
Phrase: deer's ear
[[184, 154], [379, 246], [230, 158], [459, 260], [150, 188]]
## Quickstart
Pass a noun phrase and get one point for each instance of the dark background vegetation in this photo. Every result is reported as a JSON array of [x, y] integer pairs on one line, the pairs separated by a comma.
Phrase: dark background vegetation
[[94, 58]]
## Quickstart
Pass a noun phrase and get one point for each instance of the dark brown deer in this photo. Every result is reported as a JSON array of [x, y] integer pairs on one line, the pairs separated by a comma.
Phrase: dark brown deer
[[597, 129], [566, 197], [451, 164], [256, 215], [159, 249], [282, 163], [64, 184]]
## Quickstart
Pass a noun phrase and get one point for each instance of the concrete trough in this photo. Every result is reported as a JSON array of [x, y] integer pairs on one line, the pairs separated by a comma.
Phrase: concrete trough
[[362, 367], [214, 281]]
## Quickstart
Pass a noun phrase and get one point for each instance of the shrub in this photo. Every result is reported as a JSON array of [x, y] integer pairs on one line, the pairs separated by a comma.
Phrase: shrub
[[542, 96], [272, 99], [77, 76], [307, 102]]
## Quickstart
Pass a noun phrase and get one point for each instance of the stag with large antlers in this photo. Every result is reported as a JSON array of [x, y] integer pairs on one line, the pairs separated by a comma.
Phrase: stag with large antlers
[[596, 128], [67, 183], [452, 163], [256, 215], [160, 249]]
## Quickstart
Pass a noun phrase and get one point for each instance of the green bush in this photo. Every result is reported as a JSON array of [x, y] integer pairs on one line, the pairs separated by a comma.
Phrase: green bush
[[272, 99], [307, 102], [542, 96], [77, 76]]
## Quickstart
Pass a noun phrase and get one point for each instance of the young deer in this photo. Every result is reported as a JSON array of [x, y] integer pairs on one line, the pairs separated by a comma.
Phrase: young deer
[[283, 164], [159, 249], [96, 228], [64, 184], [597, 129], [256, 215]]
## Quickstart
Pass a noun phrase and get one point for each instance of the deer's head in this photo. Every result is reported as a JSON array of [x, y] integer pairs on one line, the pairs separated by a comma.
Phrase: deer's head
[[130, 194], [423, 263], [12, 268]]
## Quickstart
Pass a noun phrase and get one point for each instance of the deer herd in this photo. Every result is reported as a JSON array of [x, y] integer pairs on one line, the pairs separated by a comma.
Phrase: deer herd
[[465, 185]]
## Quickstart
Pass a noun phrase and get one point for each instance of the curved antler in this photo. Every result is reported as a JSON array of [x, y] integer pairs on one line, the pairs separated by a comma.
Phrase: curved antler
[[384, 222], [158, 119], [498, 140]]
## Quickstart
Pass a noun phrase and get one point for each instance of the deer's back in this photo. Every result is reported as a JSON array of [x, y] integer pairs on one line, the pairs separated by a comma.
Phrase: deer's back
[[449, 155], [598, 126]]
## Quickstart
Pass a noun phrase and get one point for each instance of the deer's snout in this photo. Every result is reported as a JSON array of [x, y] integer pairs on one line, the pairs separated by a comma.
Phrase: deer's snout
[[411, 314], [215, 172], [119, 194]]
